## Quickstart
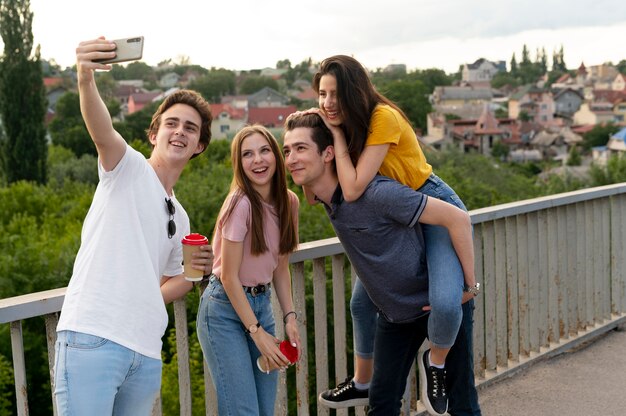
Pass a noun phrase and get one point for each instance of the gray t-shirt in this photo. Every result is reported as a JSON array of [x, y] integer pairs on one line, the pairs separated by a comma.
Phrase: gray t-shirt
[[385, 245]]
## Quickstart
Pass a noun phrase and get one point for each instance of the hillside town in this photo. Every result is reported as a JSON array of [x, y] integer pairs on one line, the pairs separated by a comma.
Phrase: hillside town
[[543, 120]]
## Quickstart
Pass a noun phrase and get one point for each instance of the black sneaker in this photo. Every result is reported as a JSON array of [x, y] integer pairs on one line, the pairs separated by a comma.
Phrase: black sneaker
[[432, 386], [344, 395]]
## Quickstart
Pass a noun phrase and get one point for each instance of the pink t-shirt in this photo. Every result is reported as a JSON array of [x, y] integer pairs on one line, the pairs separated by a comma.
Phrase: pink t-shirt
[[254, 270]]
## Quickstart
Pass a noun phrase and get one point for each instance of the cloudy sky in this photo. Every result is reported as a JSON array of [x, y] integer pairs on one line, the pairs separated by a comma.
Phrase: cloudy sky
[[251, 34]]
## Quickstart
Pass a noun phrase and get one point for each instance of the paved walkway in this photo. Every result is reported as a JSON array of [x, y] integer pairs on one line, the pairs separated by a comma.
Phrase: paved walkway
[[588, 381]]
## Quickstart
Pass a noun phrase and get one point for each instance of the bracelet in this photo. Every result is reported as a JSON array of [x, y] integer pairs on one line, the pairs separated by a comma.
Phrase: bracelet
[[287, 315]]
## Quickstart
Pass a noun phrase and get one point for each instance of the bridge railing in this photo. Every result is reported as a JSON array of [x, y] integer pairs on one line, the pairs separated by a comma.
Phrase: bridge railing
[[553, 272]]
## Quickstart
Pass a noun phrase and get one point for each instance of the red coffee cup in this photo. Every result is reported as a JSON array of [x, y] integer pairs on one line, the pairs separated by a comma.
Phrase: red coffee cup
[[191, 244], [289, 351]]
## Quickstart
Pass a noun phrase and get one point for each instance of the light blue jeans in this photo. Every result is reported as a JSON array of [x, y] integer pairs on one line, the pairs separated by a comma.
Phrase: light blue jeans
[[445, 283], [96, 376], [231, 354]]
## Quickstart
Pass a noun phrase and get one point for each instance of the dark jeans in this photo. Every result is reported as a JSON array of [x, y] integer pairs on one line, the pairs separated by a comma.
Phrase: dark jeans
[[395, 349]]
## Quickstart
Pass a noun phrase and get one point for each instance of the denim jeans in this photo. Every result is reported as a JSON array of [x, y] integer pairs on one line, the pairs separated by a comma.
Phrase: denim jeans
[[445, 274], [231, 354], [96, 376]]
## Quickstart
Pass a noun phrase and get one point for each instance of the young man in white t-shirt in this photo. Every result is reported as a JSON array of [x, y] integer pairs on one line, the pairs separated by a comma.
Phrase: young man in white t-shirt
[[108, 349]]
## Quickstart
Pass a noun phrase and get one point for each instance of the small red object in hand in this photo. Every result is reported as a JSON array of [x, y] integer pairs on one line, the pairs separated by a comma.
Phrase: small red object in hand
[[289, 351]]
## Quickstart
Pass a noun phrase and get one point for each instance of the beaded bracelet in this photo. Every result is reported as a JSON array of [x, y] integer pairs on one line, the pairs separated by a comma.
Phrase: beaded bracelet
[[287, 315]]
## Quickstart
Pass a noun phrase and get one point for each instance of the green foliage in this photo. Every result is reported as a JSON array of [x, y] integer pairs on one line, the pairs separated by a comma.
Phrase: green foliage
[[64, 166], [412, 98], [134, 70], [500, 151], [215, 84], [68, 128], [23, 149], [481, 181], [254, 83], [599, 135], [6, 386], [502, 79], [613, 172], [574, 158]]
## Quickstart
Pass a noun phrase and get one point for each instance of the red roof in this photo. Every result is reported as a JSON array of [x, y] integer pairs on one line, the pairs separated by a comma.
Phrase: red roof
[[52, 81], [233, 113], [610, 96], [270, 116]]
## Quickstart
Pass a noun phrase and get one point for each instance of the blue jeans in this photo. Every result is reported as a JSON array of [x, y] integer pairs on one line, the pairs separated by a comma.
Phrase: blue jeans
[[96, 376], [445, 274], [231, 354]]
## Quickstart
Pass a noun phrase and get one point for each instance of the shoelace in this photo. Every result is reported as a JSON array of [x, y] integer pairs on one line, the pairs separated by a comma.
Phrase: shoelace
[[341, 387], [439, 382]]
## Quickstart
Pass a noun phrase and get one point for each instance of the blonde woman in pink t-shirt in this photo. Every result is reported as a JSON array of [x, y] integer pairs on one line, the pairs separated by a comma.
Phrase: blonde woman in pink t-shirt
[[255, 232]]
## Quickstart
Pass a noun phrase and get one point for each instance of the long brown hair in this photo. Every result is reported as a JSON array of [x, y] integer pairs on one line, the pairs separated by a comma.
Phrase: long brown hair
[[357, 98], [241, 186]]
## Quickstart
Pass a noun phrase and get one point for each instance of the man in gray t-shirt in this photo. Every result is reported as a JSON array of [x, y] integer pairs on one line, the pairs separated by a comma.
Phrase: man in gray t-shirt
[[381, 237]]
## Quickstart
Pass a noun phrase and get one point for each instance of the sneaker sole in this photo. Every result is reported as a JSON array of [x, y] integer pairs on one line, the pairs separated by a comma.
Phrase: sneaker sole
[[424, 387], [344, 404]]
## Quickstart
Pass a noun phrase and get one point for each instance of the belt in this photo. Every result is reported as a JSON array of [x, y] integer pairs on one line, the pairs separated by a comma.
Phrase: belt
[[252, 290], [257, 290]]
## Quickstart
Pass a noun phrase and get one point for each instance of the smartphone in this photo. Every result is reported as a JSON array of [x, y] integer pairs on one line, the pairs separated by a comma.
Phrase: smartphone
[[127, 49]]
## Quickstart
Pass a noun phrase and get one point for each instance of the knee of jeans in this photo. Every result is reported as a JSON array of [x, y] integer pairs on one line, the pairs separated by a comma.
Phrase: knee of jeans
[[449, 311]]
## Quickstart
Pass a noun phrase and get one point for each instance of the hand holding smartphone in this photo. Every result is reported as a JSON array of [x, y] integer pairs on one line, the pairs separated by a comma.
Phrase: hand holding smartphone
[[127, 49]]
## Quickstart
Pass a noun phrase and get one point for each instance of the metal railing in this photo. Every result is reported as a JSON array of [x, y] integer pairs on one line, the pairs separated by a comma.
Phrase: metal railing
[[553, 271]]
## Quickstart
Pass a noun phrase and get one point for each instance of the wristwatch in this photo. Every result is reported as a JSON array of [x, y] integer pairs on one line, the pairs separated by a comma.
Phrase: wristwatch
[[474, 290], [253, 328]]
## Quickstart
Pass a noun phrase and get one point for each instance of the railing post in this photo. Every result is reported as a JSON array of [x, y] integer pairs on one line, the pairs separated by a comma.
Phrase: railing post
[[19, 368], [182, 352], [51, 337]]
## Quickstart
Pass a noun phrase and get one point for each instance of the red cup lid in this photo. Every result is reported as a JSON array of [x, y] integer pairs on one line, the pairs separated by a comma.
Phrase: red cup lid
[[289, 351], [195, 239]]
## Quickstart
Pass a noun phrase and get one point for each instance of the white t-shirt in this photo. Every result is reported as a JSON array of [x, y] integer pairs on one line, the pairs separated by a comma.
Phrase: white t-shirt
[[114, 291]]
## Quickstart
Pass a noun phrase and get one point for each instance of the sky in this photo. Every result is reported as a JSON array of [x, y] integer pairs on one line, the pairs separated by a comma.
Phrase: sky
[[254, 34]]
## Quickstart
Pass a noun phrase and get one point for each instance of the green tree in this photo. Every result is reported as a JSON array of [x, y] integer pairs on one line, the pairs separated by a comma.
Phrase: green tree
[[513, 65], [22, 97], [621, 66], [255, 83], [599, 135], [574, 158], [68, 128], [412, 98], [214, 85]]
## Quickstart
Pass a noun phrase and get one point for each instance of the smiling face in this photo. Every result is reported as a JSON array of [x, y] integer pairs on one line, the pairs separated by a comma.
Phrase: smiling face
[[328, 100], [303, 159], [179, 133], [258, 162]]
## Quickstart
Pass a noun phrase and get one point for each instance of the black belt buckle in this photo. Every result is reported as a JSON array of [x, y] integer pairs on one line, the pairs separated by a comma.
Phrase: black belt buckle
[[257, 290]]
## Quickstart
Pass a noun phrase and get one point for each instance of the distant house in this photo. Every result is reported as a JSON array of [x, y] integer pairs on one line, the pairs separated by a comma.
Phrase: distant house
[[537, 103], [594, 113], [270, 116], [139, 100], [481, 71], [236, 101], [123, 92], [227, 120], [169, 80], [274, 73], [461, 101], [617, 142], [556, 144], [482, 134], [619, 83], [267, 97], [567, 102]]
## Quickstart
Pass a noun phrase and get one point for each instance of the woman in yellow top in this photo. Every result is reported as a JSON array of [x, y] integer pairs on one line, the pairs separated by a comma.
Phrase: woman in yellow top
[[373, 136]]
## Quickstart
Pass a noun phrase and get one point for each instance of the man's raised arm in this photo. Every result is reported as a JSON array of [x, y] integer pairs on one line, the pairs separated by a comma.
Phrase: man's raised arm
[[109, 144]]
